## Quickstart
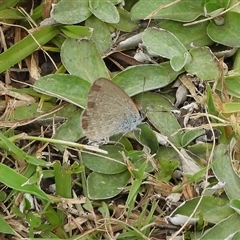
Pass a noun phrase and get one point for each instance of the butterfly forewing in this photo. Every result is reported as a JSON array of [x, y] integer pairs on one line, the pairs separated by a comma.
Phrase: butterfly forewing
[[109, 111]]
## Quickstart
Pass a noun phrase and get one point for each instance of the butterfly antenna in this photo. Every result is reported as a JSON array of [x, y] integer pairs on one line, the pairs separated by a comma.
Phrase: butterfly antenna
[[143, 113]]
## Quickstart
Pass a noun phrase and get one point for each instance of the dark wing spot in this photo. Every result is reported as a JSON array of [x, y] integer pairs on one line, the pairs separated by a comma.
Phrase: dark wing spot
[[95, 87], [85, 119], [90, 104]]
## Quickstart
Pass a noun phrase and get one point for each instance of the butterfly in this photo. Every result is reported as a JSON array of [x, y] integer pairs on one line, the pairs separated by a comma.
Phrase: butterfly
[[109, 111]]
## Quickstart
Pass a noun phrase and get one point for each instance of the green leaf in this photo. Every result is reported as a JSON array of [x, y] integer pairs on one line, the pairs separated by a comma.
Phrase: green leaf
[[71, 12], [70, 88], [8, 4], [11, 14], [210, 103], [144, 77], [104, 210], [19, 153], [104, 186], [166, 168], [70, 130], [134, 190], [63, 180], [34, 219], [224, 229], [112, 163], [93, 4], [150, 99], [190, 135], [204, 64], [125, 24], [182, 11], [214, 209], [146, 138], [105, 11], [189, 36], [215, 112], [137, 158], [235, 204], [4, 227], [177, 62], [236, 63], [14, 180], [166, 123], [235, 236], [167, 153], [101, 35], [76, 31], [232, 84], [165, 44], [231, 107], [213, 9], [224, 172], [200, 149], [226, 34], [26, 46], [31, 111], [115, 2], [82, 59]]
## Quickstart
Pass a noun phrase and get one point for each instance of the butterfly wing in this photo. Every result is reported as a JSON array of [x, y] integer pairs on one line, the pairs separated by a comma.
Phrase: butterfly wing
[[109, 111]]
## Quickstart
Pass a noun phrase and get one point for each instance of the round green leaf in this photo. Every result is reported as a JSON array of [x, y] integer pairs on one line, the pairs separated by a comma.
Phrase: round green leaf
[[222, 160], [103, 186], [70, 88], [226, 34], [213, 209], [111, 163], [166, 123], [146, 138], [71, 129], [145, 77], [105, 11], [189, 36], [126, 24], [101, 35], [81, 58], [71, 12], [204, 64], [166, 44], [30, 111], [190, 135]]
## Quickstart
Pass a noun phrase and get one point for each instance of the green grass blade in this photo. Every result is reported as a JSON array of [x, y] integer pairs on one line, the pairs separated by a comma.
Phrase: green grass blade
[[14, 180], [26, 46]]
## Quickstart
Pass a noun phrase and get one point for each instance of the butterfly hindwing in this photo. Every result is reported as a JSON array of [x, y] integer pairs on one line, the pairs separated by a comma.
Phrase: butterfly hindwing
[[109, 111]]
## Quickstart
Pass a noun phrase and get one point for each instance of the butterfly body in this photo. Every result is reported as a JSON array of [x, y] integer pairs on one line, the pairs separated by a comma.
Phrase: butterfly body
[[109, 111]]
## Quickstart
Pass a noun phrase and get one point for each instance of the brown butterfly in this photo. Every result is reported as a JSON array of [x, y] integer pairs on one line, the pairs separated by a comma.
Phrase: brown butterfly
[[109, 111]]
